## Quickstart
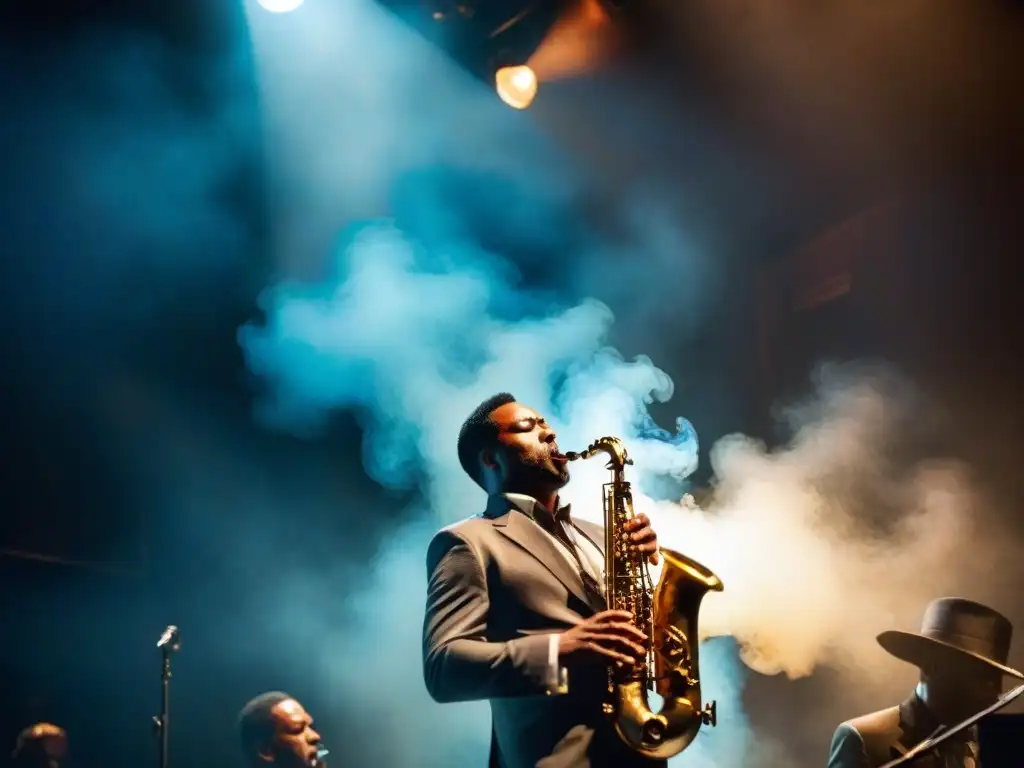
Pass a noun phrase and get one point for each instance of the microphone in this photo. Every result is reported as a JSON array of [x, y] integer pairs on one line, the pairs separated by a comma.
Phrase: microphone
[[170, 639]]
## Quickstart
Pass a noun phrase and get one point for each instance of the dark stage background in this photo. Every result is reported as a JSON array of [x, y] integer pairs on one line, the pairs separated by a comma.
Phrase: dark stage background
[[837, 225]]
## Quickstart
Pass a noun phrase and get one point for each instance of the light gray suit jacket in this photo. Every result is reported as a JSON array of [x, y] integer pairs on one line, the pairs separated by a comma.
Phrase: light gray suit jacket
[[498, 587]]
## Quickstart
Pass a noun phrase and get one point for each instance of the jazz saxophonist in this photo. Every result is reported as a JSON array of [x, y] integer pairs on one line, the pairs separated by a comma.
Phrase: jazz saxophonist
[[516, 607]]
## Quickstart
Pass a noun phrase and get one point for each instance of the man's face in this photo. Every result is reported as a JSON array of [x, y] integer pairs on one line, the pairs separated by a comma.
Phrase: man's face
[[295, 742], [982, 688], [967, 688], [527, 449]]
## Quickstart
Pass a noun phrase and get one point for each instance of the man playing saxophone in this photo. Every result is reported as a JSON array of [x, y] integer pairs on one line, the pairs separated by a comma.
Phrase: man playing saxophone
[[515, 608]]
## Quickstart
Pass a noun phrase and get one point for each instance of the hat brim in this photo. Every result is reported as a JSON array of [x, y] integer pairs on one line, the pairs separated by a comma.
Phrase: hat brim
[[921, 651]]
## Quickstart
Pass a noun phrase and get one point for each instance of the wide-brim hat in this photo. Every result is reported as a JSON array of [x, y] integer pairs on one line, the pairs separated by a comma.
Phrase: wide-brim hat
[[954, 631]]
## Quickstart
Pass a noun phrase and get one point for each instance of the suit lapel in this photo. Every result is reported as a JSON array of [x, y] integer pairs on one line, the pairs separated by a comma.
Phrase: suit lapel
[[537, 543], [592, 533], [916, 725]]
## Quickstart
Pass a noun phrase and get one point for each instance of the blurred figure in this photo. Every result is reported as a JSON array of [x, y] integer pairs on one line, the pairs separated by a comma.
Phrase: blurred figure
[[961, 651], [276, 729], [43, 745]]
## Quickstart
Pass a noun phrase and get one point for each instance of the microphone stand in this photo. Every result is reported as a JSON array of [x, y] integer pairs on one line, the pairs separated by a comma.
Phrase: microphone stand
[[170, 642]]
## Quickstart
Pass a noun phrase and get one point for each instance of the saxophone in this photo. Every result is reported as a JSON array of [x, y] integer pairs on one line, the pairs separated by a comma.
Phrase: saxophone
[[667, 614]]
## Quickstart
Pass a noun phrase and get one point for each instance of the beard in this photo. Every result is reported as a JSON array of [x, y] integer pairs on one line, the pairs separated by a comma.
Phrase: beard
[[538, 472], [561, 470]]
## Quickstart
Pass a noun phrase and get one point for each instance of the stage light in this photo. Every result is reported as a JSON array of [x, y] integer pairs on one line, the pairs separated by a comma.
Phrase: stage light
[[516, 86], [280, 6]]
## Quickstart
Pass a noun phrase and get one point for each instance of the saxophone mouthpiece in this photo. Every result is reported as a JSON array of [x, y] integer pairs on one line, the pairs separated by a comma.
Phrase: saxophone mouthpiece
[[571, 456]]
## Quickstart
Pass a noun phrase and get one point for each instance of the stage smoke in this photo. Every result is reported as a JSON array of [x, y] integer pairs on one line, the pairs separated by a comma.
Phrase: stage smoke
[[410, 322], [811, 539]]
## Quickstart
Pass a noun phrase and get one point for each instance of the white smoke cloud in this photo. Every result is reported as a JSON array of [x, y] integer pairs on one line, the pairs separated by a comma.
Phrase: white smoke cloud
[[809, 579], [420, 349], [843, 533]]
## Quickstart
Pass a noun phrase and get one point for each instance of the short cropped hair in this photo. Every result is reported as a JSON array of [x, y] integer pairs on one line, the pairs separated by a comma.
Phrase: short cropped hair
[[29, 746], [256, 723], [478, 432]]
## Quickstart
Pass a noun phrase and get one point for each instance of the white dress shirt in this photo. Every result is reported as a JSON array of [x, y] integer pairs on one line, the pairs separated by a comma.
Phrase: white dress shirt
[[590, 557]]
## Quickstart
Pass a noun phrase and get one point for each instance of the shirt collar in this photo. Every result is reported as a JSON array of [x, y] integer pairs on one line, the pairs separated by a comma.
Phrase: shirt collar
[[532, 508]]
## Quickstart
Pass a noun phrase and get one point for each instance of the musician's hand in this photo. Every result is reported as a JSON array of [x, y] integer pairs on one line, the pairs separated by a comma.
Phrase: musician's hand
[[603, 638], [643, 537]]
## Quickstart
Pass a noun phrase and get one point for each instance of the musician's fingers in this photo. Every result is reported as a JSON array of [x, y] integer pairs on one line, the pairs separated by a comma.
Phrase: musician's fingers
[[610, 654], [611, 616], [647, 546], [629, 631], [655, 558], [636, 523], [619, 644], [644, 537]]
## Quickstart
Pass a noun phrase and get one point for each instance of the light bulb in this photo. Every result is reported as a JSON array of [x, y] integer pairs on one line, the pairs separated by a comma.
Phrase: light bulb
[[516, 86]]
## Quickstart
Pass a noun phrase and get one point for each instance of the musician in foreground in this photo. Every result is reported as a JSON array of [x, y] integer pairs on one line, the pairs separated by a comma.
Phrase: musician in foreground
[[275, 729], [515, 607], [961, 651]]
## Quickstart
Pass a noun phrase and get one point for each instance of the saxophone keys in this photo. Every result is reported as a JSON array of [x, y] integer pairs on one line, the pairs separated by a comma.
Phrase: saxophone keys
[[710, 714]]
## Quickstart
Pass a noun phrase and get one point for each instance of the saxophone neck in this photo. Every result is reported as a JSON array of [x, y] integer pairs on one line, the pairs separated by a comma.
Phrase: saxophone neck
[[613, 447]]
